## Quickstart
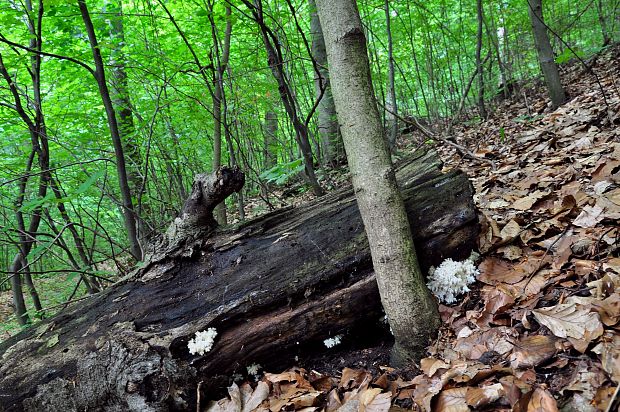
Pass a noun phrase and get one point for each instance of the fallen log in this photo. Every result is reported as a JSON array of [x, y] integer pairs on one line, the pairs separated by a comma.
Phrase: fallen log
[[274, 288]]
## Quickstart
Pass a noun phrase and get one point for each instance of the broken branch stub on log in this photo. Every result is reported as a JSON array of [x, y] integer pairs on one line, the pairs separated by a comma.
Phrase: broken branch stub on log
[[196, 219], [274, 288]]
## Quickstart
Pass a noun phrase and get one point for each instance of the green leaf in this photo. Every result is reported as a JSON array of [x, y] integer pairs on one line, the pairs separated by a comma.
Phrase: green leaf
[[89, 182], [281, 173]]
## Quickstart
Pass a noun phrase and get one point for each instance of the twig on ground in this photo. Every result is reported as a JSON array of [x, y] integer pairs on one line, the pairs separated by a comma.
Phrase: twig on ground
[[430, 135]]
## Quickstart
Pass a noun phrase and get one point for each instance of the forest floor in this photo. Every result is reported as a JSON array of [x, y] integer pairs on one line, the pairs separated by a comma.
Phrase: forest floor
[[539, 329]]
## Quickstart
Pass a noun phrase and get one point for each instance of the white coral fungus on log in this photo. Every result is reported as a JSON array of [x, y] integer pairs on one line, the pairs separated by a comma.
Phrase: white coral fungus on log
[[202, 342]]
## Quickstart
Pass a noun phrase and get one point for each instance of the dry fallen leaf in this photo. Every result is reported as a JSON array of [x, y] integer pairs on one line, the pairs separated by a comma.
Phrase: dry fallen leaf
[[452, 400], [296, 398], [538, 400], [354, 378], [528, 201], [531, 351], [494, 271], [609, 351], [430, 365], [569, 320], [483, 396], [244, 399], [372, 400], [510, 231], [590, 216], [333, 401]]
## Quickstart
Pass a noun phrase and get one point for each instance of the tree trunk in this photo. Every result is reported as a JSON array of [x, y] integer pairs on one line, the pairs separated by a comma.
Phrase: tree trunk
[[221, 60], [19, 304], [545, 53], [129, 215], [38, 138], [276, 63], [274, 288], [329, 131], [479, 64], [270, 141], [32, 290], [411, 311], [601, 18], [390, 104], [119, 92]]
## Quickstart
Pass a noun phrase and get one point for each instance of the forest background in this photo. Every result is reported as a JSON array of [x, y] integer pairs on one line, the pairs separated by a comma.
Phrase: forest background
[[108, 110]]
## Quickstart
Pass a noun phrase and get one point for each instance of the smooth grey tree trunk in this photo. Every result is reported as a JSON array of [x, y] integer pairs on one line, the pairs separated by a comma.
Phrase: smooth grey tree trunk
[[545, 53], [411, 311], [329, 132]]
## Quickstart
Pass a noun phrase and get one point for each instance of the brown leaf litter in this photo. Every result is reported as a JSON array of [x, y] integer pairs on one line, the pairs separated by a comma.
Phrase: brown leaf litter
[[542, 333]]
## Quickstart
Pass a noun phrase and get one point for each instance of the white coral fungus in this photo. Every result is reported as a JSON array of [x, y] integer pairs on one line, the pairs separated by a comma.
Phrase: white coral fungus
[[253, 369], [451, 279], [202, 342], [331, 342]]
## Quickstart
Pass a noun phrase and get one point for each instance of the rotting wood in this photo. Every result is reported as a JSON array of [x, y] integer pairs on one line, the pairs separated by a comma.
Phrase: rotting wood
[[274, 288]]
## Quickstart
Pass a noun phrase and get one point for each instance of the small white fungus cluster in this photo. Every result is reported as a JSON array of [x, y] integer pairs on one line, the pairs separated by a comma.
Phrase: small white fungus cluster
[[331, 342], [202, 342], [253, 369], [451, 279]]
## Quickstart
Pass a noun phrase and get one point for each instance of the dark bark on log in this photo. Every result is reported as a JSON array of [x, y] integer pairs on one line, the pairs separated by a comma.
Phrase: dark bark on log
[[274, 288]]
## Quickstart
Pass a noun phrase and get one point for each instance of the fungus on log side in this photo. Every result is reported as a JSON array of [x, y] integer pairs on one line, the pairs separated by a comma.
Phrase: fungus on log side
[[273, 287]]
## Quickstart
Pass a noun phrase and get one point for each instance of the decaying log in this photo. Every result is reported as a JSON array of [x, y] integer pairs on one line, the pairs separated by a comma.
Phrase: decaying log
[[274, 288]]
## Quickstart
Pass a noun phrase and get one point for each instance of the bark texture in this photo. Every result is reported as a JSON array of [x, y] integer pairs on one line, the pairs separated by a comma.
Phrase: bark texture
[[545, 53], [274, 288], [411, 311]]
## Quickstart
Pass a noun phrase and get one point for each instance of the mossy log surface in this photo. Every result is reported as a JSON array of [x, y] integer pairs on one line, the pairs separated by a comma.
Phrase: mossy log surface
[[274, 288]]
